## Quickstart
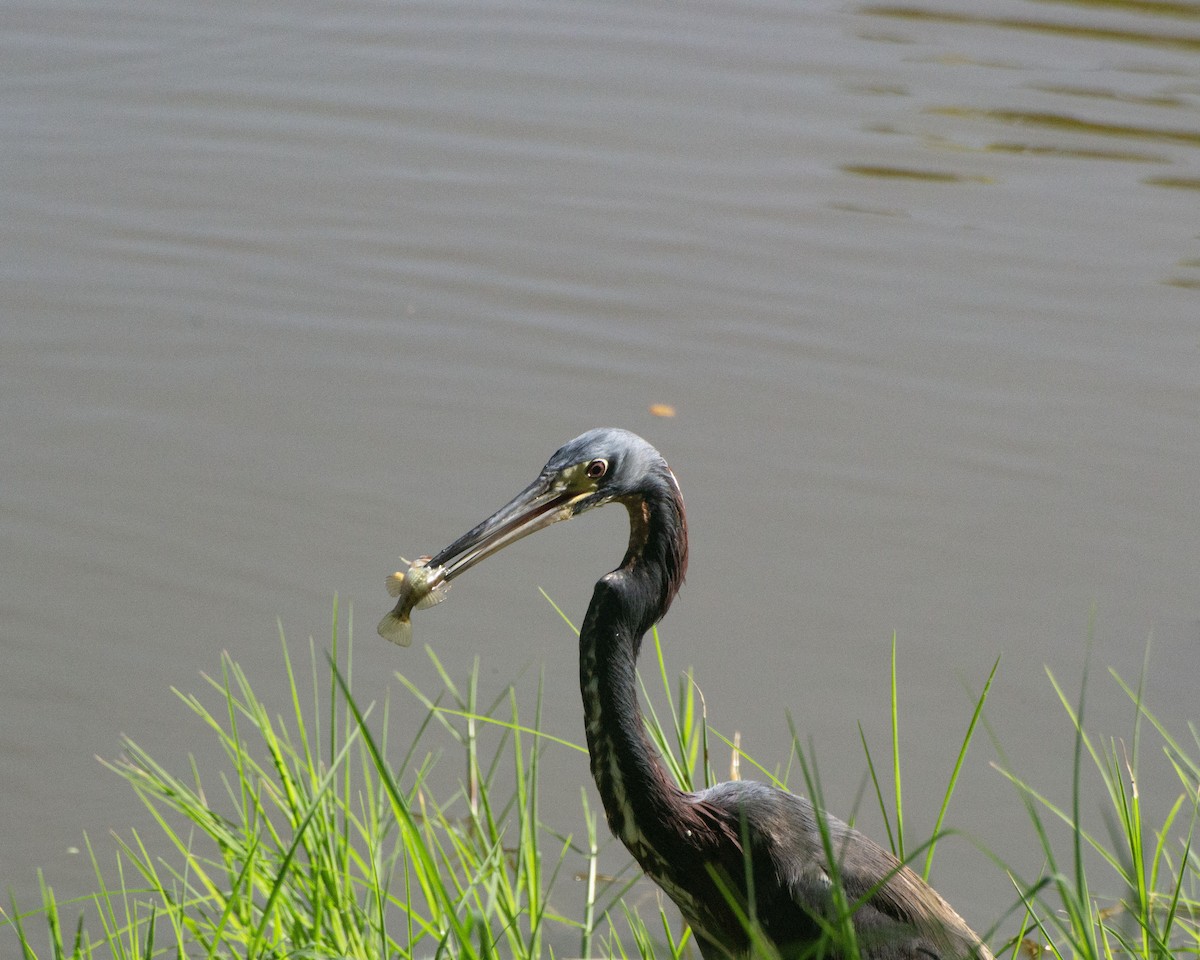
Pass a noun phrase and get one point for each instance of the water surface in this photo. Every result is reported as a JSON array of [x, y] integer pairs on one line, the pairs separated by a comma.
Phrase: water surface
[[291, 291]]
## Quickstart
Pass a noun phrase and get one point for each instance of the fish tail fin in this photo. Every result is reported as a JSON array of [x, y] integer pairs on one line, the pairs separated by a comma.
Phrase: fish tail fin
[[396, 628]]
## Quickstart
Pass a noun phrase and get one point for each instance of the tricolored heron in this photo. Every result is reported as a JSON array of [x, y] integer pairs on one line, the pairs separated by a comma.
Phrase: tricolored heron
[[738, 856]]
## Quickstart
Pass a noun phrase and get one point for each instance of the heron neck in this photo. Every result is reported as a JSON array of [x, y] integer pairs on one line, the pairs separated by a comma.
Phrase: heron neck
[[635, 787], [628, 770]]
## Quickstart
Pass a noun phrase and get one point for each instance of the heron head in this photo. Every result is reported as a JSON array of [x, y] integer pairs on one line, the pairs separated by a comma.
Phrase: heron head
[[595, 468]]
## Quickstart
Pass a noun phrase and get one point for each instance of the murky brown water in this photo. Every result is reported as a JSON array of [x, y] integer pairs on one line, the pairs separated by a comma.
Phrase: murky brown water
[[291, 291]]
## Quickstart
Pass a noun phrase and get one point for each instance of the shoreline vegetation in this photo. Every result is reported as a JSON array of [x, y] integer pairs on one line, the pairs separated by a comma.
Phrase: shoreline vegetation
[[324, 838]]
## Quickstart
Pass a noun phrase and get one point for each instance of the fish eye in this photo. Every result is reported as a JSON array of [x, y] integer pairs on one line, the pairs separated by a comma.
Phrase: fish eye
[[597, 468]]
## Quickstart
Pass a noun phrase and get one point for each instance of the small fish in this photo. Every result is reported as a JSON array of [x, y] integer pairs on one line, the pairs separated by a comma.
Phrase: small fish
[[419, 586]]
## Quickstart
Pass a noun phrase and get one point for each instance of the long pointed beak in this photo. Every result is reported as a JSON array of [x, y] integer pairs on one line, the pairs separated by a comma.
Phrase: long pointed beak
[[543, 502]]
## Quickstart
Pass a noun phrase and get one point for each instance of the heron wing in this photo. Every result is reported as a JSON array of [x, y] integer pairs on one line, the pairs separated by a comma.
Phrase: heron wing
[[898, 915]]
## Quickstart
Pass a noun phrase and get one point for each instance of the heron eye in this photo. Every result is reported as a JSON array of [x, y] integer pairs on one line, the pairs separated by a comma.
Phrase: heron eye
[[597, 468]]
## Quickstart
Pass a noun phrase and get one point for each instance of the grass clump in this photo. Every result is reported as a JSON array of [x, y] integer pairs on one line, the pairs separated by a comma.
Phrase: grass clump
[[323, 839], [1151, 873]]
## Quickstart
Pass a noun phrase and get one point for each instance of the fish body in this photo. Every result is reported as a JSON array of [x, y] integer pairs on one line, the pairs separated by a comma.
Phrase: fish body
[[418, 587]]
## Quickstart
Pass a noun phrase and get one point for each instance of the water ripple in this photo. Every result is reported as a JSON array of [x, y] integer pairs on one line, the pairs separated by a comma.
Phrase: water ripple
[[1073, 30]]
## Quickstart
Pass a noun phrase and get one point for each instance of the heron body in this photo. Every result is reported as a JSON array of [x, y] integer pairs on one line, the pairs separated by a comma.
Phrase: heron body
[[740, 856]]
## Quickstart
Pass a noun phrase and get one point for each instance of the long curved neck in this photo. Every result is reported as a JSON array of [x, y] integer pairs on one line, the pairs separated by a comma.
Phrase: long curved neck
[[634, 786]]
